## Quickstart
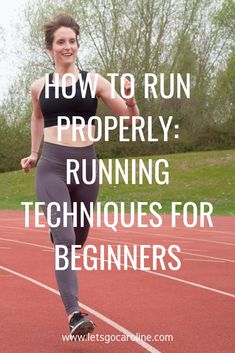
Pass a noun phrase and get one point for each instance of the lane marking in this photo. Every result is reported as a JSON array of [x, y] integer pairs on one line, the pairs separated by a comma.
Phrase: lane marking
[[44, 230], [196, 250], [26, 243], [152, 232], [10, 233], [170, 241], [194, 229], [202, 260], [182, 252], [3, 247], [11, 218], [200, 230], [194, 284], [100, 316], [120, 242], [177, 237], [136, 232], [207, 230]]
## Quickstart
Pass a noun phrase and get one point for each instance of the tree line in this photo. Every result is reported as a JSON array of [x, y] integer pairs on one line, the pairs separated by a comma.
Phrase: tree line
[[137, 36]]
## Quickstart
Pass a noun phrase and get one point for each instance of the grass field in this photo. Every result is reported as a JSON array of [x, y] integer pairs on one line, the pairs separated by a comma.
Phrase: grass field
[[195, 176]]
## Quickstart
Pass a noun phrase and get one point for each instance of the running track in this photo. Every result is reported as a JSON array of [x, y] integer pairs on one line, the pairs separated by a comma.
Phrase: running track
[[194, 304]]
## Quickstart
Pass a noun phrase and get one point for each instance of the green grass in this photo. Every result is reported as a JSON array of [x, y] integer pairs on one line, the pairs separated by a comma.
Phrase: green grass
[[196, 176]]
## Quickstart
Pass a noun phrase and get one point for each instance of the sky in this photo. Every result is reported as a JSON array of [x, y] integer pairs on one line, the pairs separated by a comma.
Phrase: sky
[[9, 11]]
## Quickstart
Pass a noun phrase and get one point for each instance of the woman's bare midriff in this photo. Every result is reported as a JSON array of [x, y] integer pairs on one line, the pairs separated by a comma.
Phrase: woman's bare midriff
[[51, 135]]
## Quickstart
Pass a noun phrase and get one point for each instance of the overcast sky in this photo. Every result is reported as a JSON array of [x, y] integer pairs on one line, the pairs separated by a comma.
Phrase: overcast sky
[[9, 11]]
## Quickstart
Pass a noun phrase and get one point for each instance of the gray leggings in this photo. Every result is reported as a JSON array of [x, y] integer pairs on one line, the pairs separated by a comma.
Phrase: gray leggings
[[51, 186]]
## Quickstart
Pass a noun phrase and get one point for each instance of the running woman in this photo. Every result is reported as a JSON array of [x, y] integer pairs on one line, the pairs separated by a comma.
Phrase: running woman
[[61, 41]]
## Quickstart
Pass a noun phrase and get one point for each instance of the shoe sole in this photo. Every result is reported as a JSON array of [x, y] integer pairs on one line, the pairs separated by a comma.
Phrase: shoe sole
[[82, 329]]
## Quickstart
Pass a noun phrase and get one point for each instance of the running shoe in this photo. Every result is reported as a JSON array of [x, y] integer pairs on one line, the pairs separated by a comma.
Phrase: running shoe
[[80, 326]]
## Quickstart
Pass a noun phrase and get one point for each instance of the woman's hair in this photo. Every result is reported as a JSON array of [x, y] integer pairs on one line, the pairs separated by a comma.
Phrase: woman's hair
[[61, 20]]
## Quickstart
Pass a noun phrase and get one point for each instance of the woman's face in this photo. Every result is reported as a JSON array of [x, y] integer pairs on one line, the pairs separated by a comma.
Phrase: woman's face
[[64, 46]]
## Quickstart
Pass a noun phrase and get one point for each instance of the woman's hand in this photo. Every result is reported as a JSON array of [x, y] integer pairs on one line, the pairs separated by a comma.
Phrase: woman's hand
[[127, 91], [28, 162], [127, 87]]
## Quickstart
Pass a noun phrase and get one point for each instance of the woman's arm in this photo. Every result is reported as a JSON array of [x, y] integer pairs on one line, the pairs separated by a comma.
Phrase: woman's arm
[[117, 105], [37, 125]]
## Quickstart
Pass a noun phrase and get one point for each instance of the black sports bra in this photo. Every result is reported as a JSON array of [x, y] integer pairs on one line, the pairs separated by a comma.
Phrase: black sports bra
[[77, 106]]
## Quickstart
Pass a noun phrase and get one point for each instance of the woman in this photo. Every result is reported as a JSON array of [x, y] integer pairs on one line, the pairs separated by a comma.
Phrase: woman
[[61, 41]]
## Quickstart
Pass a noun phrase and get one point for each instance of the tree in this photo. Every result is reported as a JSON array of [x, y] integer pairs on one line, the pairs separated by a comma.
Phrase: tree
[[139, 36]]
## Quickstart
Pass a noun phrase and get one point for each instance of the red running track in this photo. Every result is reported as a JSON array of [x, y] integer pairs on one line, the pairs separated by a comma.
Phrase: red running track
[[194, 306]]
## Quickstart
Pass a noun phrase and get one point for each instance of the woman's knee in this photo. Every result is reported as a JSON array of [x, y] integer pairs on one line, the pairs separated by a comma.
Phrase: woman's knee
[[63, 236]]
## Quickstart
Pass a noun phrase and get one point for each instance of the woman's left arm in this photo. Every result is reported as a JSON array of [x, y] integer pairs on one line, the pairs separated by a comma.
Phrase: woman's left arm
[[117, 105]]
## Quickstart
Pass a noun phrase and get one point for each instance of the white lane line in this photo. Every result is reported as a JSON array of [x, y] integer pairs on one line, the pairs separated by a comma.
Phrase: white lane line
[[182, 252], [187, 253], [171, 240], [202, 260], [26, 243], [200, 230], [9, 232], [12, 218], [194, 284], [120, 242], [27, 229], [3, 247], [205, 230], [206, 241], [152, 232], [136, 232], [196, 239], [195, 249], [102, 317]]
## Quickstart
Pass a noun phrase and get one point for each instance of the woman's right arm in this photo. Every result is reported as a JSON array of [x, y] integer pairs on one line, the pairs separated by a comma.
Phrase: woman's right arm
[[37, 125]]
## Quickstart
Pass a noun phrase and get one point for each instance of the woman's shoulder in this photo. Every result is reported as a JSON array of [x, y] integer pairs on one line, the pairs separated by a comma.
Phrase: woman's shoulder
[[37, 83], [37, 86]]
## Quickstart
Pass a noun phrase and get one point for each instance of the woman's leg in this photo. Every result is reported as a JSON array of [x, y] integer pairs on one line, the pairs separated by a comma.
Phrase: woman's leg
[[86, 194], [51, 187]]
